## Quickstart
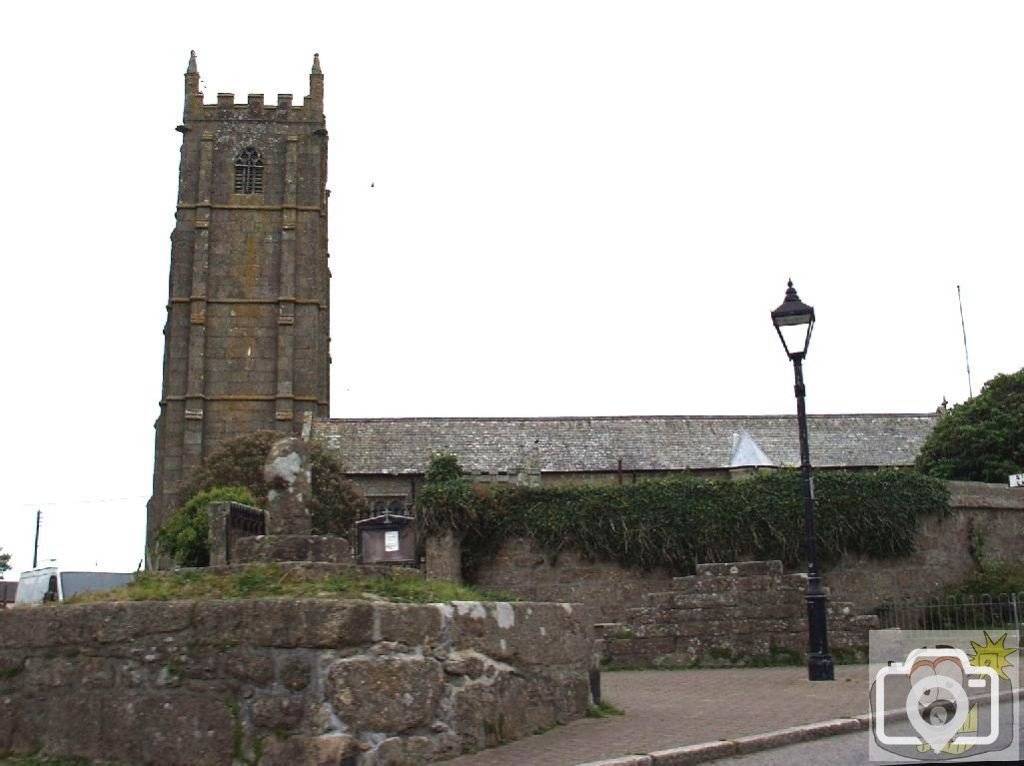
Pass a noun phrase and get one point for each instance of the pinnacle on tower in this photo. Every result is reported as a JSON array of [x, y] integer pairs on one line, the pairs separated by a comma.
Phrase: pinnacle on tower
[[193, 96], [316, 84]]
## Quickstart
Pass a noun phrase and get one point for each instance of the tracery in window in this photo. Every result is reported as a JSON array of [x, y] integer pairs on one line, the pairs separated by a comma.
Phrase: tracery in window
[[249, 171]]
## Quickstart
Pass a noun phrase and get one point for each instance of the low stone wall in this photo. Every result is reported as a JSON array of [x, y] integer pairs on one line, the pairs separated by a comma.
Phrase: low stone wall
[[280, 681], [605, 588], [986, 522], [729, 614], [271, 548], [247, 543]]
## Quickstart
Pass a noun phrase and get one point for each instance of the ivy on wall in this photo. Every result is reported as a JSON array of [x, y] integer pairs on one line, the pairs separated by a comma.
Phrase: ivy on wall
[[680, 522]]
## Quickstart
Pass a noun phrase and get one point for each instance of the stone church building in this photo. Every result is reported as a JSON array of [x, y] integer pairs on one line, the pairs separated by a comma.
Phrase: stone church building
[[247, 342]]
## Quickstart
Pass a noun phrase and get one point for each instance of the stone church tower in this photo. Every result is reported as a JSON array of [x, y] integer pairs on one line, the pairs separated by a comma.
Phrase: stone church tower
[[246, 339]]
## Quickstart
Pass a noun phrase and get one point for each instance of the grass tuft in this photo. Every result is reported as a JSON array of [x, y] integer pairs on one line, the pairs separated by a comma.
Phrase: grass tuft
[[274, 581], [603, 709]]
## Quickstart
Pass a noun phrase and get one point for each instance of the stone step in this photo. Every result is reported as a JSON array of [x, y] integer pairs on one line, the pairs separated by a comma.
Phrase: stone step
[[713, 584], [740, 569], [681, 600]]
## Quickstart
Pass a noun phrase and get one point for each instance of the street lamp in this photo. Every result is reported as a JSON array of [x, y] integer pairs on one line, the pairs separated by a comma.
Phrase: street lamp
[[794, 321]]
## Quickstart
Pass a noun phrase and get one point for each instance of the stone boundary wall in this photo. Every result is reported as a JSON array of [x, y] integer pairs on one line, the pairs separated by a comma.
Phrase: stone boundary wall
[[605, 588], [986, 522], [729, 614], [286, 681]]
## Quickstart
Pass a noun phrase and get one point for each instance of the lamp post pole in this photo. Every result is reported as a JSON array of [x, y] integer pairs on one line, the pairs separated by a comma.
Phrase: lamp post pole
[[819, 665], [794, 321]]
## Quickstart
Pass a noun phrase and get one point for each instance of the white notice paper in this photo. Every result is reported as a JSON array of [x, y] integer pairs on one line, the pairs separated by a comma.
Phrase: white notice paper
[[390, 541]]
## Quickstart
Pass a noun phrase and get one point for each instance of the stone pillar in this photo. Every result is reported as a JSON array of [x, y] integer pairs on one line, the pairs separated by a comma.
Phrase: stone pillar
[[444, 557], [288, 475], [217, 514]]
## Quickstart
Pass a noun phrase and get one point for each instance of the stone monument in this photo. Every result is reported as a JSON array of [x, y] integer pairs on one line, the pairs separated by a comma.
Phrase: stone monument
[[288, 522], [290, 479]]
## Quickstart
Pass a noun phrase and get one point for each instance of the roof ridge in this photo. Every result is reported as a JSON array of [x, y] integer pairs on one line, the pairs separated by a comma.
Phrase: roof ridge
[[552, 418]]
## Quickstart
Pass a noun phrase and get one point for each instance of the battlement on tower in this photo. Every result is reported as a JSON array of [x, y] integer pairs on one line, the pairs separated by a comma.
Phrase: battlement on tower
[[254, 107]]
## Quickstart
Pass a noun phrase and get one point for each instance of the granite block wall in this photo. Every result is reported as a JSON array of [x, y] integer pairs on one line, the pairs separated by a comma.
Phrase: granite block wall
[[279, 681], [605, 588], [729, 614], [986, 522]]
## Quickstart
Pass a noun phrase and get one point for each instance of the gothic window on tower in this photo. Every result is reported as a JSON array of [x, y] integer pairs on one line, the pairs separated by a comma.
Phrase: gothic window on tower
[[248, 171]]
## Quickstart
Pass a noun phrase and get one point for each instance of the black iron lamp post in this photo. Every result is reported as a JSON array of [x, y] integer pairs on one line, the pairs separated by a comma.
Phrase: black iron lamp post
[[794, 321]]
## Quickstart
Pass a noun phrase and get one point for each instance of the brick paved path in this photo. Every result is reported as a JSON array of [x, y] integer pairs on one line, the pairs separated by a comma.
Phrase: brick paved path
[[666, 709]]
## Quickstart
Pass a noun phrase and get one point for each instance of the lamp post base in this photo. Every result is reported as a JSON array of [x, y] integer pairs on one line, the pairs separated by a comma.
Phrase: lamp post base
[[819, 665], [821, 668]]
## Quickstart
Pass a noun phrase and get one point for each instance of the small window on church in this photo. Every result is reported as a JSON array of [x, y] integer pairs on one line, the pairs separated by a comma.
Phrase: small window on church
[[248, 171]]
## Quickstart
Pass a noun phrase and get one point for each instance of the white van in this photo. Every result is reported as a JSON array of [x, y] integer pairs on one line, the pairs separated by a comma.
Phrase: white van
[[50, 584]]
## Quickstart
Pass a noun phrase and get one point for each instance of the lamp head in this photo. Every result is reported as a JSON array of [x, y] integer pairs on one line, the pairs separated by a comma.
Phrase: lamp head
[[794, 321]]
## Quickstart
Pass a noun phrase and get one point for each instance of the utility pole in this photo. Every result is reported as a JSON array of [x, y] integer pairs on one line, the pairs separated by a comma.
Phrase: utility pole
[[35, 550]]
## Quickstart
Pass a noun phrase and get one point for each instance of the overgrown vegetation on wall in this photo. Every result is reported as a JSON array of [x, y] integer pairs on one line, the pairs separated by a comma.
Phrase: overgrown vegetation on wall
[[336, 502], [680, 522], [981, 439], [274, 581]]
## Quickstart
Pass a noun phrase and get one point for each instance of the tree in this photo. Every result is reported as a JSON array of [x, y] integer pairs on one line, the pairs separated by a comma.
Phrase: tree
[[981, 439], [5, 562], [186, 535], [336, 502]]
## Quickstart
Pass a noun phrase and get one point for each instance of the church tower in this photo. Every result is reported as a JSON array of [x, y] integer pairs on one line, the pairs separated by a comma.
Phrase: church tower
[[246, 339]]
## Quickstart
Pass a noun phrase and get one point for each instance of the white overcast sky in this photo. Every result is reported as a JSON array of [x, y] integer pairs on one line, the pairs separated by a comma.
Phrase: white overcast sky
[[578, 208]]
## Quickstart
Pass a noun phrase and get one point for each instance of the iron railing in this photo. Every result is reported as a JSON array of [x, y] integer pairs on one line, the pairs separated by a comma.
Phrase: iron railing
[[246, 520], [242, 521], [965, 612]]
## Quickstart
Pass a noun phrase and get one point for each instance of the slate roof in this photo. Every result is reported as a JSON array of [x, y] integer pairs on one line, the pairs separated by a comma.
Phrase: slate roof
[[573, 444]]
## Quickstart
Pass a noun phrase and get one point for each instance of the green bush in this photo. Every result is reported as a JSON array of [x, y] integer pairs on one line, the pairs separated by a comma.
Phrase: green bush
[[446, 500], [991, 578], [185, 536], [443, 467], [336, 501], [981, 439], [680, 522]]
